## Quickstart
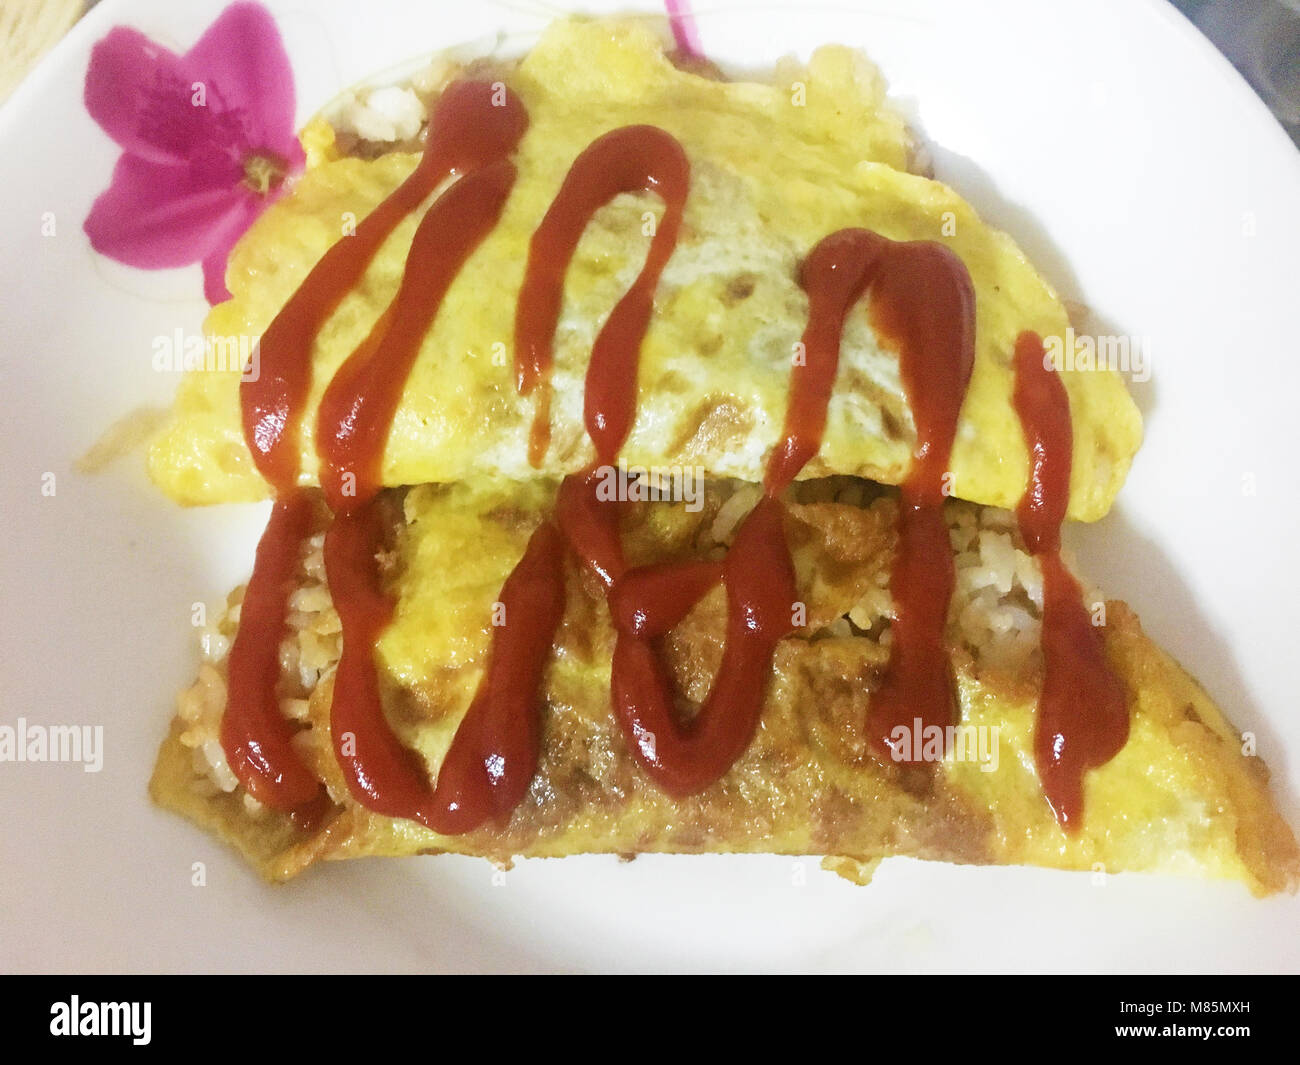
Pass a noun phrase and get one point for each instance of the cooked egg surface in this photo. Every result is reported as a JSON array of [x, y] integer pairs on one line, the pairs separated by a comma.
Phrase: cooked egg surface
[[775, 167], [1178, 798]]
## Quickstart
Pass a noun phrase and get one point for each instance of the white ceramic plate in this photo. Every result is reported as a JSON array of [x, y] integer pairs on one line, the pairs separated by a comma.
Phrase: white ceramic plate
[[1129, 160]]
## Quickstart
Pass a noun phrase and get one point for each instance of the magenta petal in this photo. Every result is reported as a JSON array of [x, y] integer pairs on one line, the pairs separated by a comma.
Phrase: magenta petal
[[214, 277], [214, 263], [242, 62], [137, 91], [155, 217], [189, 126], [682, 20]]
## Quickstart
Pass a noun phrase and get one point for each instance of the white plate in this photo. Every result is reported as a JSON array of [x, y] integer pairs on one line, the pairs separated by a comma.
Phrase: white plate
[[1107, 136]]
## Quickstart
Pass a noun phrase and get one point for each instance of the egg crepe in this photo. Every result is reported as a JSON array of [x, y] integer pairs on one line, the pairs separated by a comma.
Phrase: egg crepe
[[1181, 797], [774, 167]]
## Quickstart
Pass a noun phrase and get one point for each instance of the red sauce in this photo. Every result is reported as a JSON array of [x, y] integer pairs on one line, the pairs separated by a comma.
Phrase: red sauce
[[381, 773], [468, 130], [651, 600], [834, 275], [493, 758], [357, 409], [590, 526], [1083, 719], [254, 733], [494, 755], [918, 682], [473, 126], [684, 757], [631, 159], [921, 304]]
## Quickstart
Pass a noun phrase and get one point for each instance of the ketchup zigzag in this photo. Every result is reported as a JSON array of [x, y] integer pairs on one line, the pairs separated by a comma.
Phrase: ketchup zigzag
[[921, 302]]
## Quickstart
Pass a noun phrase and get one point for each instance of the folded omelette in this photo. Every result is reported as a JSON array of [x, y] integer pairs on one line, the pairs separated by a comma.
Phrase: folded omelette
[[408, 596], [774, 168]]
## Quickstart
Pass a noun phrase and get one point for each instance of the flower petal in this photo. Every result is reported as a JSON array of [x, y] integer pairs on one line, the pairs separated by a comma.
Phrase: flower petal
[[139, 94], [191, 127], [154, 216], [242, 62], [214, 263], [682, 20]]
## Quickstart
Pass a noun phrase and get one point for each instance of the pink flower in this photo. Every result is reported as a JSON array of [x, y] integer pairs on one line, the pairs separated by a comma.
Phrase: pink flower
[[207, 138]]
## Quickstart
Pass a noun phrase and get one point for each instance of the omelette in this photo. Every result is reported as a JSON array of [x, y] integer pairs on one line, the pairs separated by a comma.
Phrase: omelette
[[663, 464], [769, 177]]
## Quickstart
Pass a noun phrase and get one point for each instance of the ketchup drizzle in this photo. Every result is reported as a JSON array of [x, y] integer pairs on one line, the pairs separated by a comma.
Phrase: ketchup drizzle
[[687, 757], [472, 127], [921, 303], [834, 275], [493, 756], [356, 412], [254, 733], [1083, 719], [759, 577], [467, 131], [630, 159]]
